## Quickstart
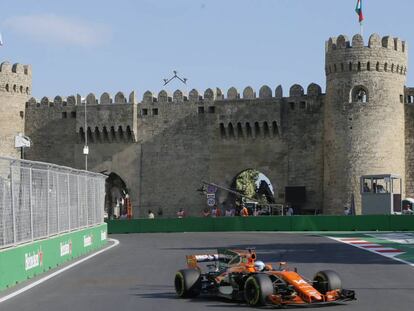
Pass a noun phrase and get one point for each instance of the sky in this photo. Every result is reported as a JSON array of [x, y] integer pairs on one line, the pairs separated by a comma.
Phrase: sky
[[84, 46]]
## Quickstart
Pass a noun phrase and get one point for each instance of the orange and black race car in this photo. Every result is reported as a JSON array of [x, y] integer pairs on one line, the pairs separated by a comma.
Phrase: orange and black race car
[[237, 275]]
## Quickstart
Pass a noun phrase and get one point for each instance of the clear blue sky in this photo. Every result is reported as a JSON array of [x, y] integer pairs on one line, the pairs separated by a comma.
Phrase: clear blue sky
[[95, 46]]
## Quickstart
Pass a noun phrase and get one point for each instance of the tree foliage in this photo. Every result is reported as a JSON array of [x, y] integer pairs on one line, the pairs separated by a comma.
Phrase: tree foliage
[[246, 182]]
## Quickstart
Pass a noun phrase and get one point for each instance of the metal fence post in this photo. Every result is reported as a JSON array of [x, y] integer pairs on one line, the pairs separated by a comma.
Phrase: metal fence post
[[2, 214], [48, 204], [12, 203], [77, 185], [87, 201], [31, 202], [94, 202], [57, 203], [68, 202]]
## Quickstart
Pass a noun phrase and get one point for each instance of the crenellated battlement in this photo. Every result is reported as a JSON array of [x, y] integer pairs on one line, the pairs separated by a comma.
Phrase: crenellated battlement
[[216, 94], [375, 42], [16, 78], [384, 54]]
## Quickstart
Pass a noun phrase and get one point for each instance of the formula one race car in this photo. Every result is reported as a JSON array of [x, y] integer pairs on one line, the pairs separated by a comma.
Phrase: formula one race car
[[237, 275]]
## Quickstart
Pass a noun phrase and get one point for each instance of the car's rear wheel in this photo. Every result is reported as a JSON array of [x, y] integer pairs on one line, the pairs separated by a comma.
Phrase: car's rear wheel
[[327, 280], [187, 283], [257, 289]]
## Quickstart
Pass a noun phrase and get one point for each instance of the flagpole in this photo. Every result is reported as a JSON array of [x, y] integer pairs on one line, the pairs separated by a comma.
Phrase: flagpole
[[361, 29]]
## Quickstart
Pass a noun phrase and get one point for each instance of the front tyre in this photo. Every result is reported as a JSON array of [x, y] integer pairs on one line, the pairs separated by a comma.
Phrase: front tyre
[[327, 280], [187, 283], [257, 288]]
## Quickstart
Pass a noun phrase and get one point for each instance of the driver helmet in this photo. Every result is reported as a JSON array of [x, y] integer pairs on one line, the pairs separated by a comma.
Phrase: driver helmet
[[259, 265]]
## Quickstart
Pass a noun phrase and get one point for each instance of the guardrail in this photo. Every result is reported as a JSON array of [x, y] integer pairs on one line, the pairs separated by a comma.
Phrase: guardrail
[[265, 223], [40, 200]]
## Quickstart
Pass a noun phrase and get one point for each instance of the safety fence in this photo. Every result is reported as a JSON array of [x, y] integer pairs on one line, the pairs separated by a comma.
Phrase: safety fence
[[266, 223], [39, 200]]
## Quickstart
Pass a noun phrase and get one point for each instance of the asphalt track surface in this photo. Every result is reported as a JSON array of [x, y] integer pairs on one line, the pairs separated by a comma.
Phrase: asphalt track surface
[[138, 274]]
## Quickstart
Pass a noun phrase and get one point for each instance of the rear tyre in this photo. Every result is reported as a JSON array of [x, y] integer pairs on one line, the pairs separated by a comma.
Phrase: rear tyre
[[257, 288], [187, 283], [327, 280]]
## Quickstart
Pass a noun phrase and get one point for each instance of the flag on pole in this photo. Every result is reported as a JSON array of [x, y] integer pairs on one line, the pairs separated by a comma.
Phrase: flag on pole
[[358, 10], [1, 39]]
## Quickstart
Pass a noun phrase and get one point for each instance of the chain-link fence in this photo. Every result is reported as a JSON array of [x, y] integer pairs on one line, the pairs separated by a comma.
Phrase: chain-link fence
[[38, 200]]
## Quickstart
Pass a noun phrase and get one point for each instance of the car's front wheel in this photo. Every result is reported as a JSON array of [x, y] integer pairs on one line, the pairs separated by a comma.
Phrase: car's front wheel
[[327, 280], [257, 289]]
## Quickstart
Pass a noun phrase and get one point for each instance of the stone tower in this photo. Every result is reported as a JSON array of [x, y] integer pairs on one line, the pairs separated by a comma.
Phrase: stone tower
[[15, 90], [364, 115]]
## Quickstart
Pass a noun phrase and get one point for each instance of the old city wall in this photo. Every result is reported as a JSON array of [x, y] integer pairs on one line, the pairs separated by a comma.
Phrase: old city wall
[[166, 145], [409, 142], [15, 90]]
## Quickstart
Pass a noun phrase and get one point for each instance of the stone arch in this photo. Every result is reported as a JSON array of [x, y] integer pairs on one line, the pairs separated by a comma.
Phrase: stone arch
[[265, 92], [369, 66], [231, 130], [7, 87], [359, 94], [98, 136], [266, 130], [105, 135], [275, 129], [222, 130], [249, 132], [377, 67], [256, 129], [239, 130], [115, 193], [248, 93]]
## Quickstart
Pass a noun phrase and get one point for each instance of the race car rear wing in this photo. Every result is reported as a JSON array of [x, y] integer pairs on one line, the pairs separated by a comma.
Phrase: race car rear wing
[[192, 260]]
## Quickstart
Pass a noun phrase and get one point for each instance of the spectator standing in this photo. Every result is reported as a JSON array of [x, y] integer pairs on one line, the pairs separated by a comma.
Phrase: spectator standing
[[206, 212], [244, 212], [181, 213], [150, 215], [289, 210]]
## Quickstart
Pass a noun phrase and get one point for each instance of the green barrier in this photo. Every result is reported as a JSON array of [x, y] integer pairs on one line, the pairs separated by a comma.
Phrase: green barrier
[[265, 223], [28, 260]]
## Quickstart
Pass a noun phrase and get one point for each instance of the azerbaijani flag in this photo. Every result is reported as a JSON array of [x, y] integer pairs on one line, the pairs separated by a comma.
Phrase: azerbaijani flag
[[358, 10]]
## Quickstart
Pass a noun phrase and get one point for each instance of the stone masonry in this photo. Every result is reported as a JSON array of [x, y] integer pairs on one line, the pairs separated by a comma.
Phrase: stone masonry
[[165, 145]]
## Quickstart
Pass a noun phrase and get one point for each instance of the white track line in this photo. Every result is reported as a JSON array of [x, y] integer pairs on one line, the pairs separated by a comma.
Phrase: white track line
[[387, 255], [48, 277]]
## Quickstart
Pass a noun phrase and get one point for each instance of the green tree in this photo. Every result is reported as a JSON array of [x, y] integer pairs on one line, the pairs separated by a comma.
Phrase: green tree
[[246, 182]]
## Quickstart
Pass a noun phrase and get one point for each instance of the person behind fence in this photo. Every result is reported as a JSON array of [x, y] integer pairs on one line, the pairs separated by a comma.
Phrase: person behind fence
[[289, 210], [181, 213], [406, 210], [206, 212], [214, 211], [244, 211], [366, 188], [150, 214]]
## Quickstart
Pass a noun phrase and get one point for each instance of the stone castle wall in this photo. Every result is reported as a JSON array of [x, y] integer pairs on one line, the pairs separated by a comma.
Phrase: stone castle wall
[[164, 145]]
